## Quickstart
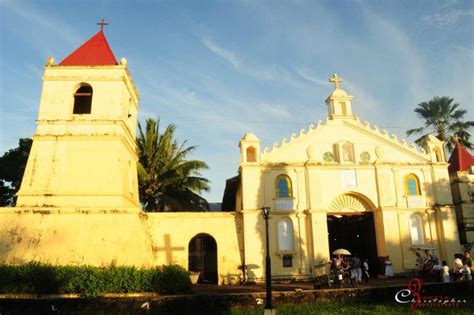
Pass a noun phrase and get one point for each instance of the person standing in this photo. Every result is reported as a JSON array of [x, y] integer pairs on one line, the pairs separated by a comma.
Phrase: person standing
[[466, 268], [337, 268], [468, 260], [356, 266], [466, 271], [365, 266], [457, 269], [388, 268], [445, 272]]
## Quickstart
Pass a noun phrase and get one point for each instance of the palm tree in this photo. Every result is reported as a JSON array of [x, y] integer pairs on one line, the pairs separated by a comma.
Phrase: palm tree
[[442, 116], [167, 181]]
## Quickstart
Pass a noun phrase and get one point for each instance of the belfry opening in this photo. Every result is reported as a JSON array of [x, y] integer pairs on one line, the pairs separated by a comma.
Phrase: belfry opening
[[83, 100]]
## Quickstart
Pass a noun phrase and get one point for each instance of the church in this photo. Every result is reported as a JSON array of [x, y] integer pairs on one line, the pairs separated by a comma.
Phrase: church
[[340, 183]]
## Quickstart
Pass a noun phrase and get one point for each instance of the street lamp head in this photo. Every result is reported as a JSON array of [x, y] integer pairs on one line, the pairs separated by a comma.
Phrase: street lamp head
[[266, 211]]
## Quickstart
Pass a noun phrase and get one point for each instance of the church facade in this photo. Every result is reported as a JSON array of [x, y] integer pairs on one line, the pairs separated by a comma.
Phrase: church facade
[[346, 184], [341, 183]]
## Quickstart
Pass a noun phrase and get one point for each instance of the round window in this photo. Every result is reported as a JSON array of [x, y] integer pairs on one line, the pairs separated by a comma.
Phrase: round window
[[328, 157], [365, 157]]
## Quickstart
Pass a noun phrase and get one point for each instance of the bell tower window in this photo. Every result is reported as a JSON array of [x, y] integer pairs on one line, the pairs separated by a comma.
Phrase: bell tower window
[[251, 156], [83, 100]]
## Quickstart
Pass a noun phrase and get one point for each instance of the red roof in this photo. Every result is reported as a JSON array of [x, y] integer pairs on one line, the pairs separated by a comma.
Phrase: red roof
[[95, 52], [460, 159]]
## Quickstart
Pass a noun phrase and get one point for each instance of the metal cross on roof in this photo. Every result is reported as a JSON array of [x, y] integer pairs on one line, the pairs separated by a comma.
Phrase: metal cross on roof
[[336, 80], [102, 23]]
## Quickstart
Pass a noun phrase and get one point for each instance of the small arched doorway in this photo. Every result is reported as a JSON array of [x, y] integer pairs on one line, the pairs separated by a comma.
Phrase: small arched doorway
[[202, 251]]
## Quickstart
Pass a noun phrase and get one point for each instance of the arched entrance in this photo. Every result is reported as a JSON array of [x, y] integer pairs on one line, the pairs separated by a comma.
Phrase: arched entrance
[[351, 226], [202, 251]]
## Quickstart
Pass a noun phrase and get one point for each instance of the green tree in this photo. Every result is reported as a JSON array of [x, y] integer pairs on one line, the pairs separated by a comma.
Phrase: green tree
[[443, 117], [12, 167], [167, 180]]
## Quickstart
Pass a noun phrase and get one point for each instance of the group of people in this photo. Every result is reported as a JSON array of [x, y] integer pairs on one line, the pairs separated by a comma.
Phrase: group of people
[[356, 270], [462, 269], [430, 266], [353, 268]]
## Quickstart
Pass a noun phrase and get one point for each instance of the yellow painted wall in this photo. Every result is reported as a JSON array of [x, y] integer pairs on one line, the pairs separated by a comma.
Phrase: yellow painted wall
[[77, 237], [172, 232], [254, 240], [104, 237]]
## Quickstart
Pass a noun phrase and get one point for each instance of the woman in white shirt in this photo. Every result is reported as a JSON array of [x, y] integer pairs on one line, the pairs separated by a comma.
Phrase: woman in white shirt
[[445, 272]]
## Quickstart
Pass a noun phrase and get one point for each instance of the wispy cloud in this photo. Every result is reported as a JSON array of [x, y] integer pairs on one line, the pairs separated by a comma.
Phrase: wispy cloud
[[447, 18], [311, 77], [409, 61], [42, 23], [274, 110], [259, 72], [221, 52]]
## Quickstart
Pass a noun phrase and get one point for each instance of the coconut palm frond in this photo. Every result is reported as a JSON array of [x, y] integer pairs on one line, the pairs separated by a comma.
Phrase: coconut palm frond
[[167, 180], [443, 117]]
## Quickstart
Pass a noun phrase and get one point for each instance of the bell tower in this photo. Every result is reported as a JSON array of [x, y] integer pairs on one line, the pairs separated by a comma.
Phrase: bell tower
[[83, 153], [339, 102]]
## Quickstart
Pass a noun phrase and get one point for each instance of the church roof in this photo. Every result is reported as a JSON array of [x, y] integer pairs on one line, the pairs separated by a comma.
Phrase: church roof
[[94, 52], [460, 159]]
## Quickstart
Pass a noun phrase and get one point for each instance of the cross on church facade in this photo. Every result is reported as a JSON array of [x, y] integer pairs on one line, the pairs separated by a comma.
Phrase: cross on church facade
[[336, 80], [102, 23]]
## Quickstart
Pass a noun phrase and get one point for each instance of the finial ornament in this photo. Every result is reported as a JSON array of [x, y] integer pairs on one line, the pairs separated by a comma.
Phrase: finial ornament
[[50, 61], [102, 23], [336, 80]]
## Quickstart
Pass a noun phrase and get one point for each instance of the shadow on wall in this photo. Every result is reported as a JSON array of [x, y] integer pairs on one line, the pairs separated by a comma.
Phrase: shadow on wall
[[17, 237], [439, 229], [441, 189], [5, 248], [168, 249]]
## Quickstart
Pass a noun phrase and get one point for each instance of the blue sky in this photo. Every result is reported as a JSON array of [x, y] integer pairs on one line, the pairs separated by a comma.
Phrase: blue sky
[[218, 69]]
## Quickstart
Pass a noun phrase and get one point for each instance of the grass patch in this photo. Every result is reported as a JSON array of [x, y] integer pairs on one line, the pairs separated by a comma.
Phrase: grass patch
[[350, 307]]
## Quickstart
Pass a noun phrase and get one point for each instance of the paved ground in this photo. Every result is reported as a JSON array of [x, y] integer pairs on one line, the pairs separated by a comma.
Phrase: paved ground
[[290, 286]]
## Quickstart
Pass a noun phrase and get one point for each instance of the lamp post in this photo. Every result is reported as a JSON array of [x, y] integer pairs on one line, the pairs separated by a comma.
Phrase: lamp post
[[268, 267]]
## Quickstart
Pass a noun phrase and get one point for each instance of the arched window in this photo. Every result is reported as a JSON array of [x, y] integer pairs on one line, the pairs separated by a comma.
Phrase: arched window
[[83, 100], [251, 156], [416, 229], [412, 185], [285, 235], [283, 187], [348, 152]]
